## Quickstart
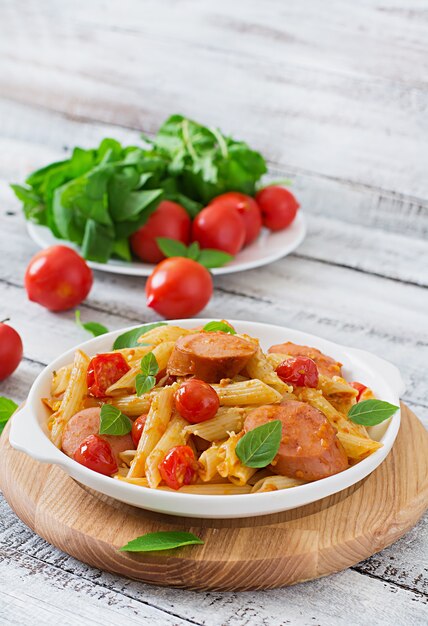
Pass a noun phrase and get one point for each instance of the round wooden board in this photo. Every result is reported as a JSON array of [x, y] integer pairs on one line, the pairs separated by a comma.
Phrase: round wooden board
[[257, 553]]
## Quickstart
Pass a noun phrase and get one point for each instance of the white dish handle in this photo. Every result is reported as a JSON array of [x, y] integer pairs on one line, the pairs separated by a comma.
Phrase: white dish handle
[[26, 435]]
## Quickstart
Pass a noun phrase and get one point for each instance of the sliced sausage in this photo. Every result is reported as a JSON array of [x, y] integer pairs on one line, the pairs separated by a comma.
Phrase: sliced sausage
[[85, 423], [210, 356], [326, 365], [309, 448]]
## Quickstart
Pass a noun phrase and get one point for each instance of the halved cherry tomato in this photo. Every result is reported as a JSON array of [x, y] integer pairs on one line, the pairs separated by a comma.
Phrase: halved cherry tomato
[[95, 453], [360, 388], [218, 227], [179, 287], [196, 401], [278, 207], [10, 350], [168, 220], [178, 467], [300, 371], [248, 210], [137, 429], [58, 278], [103, 371]]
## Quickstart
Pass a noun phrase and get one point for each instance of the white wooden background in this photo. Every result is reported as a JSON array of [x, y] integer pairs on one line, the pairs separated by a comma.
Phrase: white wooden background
[[336, 96]]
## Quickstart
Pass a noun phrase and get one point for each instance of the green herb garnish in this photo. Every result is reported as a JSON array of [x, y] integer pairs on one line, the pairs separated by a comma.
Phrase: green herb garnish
[[113, 421], [130, 338], [7, 409], [208, 257], [94, 328], [371, 412], [223, 327], [259, 446], [162, 540], [147, 379]]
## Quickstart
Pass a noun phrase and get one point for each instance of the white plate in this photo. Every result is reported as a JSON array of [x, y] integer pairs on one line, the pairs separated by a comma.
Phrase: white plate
[[267, 248], [29, 434]]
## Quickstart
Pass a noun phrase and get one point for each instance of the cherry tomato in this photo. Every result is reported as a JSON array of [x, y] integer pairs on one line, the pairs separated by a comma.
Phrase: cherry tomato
[[105, 370], [278, 207], [247, 208], [168, 220], [360, 388], [58, 278], [179, 287], [10, 350], [300, 371], [178, 467], [196, 401], [137, 429], [95, 453], [218, 227]]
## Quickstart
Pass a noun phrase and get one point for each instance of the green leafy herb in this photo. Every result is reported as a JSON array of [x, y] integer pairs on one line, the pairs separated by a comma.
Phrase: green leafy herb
[[147, 379], [223, 327], [162, 540], [130, 338], [259, 446], [113, 421], [7, 409], [371, 412], [208, 257], [94, 328]]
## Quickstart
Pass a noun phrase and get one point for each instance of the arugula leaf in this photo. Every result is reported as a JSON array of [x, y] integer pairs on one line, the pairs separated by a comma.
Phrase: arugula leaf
[[162, 540], [194, 251], [7, 409], [258, 447], [113, 421], [208, 257], [371, 412], [149, 365], [171, 247], [143, 383], [94, 328], [222, 326], [130, 338]]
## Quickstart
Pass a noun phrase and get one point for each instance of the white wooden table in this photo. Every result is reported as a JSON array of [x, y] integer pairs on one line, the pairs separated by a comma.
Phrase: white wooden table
[[336, 96]]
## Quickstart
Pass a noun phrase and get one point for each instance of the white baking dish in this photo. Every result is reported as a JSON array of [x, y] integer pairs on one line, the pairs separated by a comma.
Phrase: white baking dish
[[29, 433]]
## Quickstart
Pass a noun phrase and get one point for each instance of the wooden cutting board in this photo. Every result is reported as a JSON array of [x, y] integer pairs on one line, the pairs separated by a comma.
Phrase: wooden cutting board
[[257, 553]]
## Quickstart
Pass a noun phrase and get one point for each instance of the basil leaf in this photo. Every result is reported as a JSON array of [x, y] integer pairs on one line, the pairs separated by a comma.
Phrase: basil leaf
[[194, 251], [171, 247], [371, 412], [149, 365], [94, 328], [130, 338], [144, 383], [223, 327], [162, 540], [113, 421], [259, 446], [7, 409], [213, 258]]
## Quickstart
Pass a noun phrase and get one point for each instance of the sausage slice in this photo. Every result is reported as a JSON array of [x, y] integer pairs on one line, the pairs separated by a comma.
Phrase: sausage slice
[[85, 423], [326, 365], [309, 449], [210, 356]]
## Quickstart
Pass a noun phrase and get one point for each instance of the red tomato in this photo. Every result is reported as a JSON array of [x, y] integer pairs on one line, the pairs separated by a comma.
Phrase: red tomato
[[178, 467], [196, 401], [360, 388], [300, 371], [10, 350], [247, 208], [169, 220], [179, 287], [105, 370], [137, 429], [218, 227], [58, 278], [278, 207], [95, 453]]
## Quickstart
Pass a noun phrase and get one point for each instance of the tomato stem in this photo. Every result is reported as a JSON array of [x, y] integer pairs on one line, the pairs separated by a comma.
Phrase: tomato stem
[[7, 319]]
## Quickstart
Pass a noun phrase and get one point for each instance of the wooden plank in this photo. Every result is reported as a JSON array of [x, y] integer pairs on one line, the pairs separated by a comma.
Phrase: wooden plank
[[357, 114]]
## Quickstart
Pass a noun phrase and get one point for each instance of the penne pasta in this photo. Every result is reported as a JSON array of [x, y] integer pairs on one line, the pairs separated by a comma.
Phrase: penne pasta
[[356, 447], [162, 352], [246, 392], [161, 334], [208, 462], [74, 394], [230, 466], [133, 406], [156, 423], [174, 435], [259, 367], [212, 489], [227, 419], [60, 380], [273, 483]]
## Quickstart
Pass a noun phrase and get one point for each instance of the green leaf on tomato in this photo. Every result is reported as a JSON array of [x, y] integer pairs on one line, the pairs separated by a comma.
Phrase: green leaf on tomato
[[258, 447], [162, 540], [371, 412], [171, 247], [7, 409], [211, 258], [94, 328], [130, 338], [113, 421]]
